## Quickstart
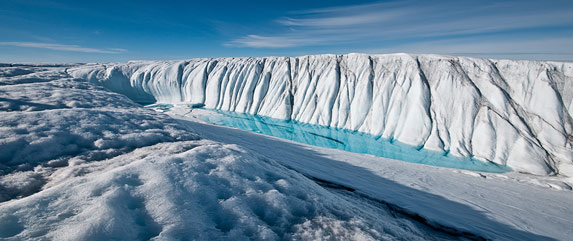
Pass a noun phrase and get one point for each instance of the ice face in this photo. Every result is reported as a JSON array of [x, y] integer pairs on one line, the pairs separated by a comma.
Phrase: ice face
[[514, 113]]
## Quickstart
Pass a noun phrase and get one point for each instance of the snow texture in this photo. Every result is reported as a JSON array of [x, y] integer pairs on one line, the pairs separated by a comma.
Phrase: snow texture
[[514, 113], [196, 190], [49, 120], [79, 162]]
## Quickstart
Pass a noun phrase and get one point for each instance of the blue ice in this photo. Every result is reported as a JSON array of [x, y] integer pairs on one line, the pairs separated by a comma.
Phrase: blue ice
[[351, 141]]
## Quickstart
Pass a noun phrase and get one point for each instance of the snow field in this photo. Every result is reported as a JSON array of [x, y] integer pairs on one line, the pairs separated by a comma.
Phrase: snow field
[[82, 163]]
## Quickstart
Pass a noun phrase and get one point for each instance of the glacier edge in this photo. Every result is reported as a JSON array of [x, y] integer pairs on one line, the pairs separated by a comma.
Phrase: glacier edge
[[514, 113]]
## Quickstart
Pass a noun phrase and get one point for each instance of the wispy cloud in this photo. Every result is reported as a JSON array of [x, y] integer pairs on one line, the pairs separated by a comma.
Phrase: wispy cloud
[[334, 21], [63, 47], [543, 45], [257, 41], [409, 20], [542, 48]]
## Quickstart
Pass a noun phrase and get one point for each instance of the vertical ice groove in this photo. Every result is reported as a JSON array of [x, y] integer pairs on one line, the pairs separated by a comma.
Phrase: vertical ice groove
[[290, 89], [335, 108], [268, 85], [203, 84], [179, 70], [340, 113], [261, 91], [370, 93], [428, 101], [477, 103], [216, 86], [301, 85], [238, 84], [309, 103], [523, 109], [333, 92]]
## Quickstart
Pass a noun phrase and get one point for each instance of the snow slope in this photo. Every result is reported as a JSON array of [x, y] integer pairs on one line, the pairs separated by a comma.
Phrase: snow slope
[[195, 190], [514, 113], [79, 162]]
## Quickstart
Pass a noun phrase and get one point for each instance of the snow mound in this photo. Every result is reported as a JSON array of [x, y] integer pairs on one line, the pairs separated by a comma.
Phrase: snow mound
[[50, 124], [514, 113], [193, 190]]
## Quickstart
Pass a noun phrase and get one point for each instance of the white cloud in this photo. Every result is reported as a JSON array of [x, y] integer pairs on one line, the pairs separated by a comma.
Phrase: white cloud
[[256, 41], [333, 21], [542, 48], [63, 47], [394, 21]]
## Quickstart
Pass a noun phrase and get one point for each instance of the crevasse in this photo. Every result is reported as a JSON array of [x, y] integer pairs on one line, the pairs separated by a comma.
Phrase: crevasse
[[514, 113]]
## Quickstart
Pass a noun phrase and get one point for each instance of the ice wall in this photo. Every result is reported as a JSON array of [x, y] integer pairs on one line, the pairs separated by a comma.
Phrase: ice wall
[[515, 113]]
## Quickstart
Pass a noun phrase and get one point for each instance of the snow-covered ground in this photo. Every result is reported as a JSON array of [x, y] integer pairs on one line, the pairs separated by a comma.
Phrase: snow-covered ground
[[79, 162], [49, 121], [82, 163]]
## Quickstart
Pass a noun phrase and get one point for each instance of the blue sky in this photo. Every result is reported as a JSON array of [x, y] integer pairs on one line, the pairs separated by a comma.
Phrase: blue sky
[[104, 31]]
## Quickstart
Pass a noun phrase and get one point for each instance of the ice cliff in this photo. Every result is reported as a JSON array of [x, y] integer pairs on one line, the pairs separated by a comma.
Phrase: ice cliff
[[514, 113]]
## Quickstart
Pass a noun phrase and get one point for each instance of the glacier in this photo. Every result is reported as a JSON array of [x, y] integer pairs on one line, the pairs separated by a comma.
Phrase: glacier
[[511, 113], [80, 162]]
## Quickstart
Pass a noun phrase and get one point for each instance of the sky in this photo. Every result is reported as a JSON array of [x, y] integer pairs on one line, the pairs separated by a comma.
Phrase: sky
[[114, 31]]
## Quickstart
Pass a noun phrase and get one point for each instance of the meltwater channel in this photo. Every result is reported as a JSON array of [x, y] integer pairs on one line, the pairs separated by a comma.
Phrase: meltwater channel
[[352, 141]]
